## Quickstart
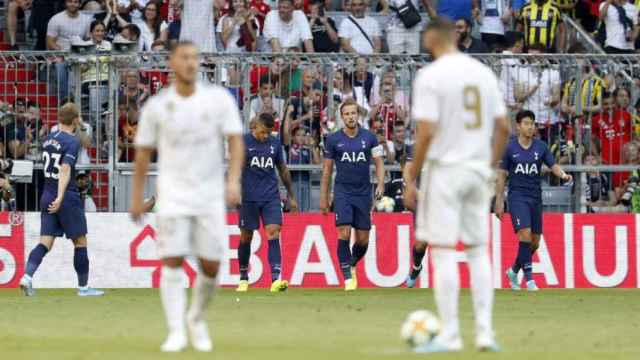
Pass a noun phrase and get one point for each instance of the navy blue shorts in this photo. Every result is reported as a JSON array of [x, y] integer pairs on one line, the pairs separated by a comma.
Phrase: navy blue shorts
[[69, 220], [354, 210], [252, 211], [526, 214]]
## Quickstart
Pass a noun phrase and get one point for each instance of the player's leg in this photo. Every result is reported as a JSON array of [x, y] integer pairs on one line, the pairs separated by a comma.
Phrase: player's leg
[[418, 251], [344, 221], [271, 214], [81, 266], [249, 222], [475, 235], [362, 224], [33, 262], [438, 223], [173, 243], [521, 221], [536, 231]]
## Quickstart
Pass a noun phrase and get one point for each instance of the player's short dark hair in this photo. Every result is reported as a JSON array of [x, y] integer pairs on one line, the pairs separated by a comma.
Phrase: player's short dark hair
[[525, 114], [181, 43], [348, 102], [267, 120], [441, 25], [68, 113]]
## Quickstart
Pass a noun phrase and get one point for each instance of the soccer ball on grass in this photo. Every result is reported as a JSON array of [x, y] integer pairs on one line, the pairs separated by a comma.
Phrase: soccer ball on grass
[[420, 327]]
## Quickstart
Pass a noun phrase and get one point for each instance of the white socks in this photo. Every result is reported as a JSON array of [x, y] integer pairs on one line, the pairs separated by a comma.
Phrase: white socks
[[481, 290], [174, 298], [446, 291], [201, 296]]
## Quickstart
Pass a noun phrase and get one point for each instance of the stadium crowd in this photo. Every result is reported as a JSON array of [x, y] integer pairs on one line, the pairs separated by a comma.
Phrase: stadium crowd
[[589, 98]]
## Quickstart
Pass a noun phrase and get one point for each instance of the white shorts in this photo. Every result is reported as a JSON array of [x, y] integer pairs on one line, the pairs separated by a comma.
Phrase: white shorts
[[453, 204], [200, 236]]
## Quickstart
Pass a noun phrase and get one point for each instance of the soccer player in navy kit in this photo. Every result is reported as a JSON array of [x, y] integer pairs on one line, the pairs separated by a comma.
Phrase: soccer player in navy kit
[[522, 165], [61, 208], [261, 198], [352, 149]]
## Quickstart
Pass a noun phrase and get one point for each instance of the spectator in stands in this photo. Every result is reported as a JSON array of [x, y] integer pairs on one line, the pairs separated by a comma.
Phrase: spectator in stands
[[343, 89], [399, 140], [623, 99], [85, 187], [541, 20], [21, 134], [620, 20], [589, 93], [95, 73], [494, 16], [302, 149], [62, 29], [197, 24], [127, 133], [389, 77], [362, 79], [388, 111], [360, 33], [17, 20], [538, 89], [114, 21], [386, 144], [307, 111], [133, 90], [260, 9], [152, 27], [273, 72], [93, 6], [287, 29], [309, 77], [134, 8], [266, 101], [566, 7], [456, 9], [598, 192], [466, 42], [43, 10], [173, 31], [400, 39], [510, 68], [323, 29], [131, 32], [238, 29], [610, 129]]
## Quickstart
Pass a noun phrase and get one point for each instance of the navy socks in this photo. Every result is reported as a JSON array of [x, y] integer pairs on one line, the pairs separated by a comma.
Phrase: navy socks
[[275, 258], [35, 259], [344, 258], [244, 252], [81, 264]]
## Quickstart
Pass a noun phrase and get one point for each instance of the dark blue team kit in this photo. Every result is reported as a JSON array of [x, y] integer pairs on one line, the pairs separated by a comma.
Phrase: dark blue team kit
[[525, 191], [61, 148]]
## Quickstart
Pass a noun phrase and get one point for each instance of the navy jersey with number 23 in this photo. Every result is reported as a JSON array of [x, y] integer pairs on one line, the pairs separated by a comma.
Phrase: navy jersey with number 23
[[59, 148]]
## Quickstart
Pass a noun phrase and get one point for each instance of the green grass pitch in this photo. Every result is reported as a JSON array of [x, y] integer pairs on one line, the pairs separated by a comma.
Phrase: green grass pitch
[[316, 324]]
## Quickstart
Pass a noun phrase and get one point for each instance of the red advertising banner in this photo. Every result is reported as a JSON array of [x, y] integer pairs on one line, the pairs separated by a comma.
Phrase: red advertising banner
[[576, 251]]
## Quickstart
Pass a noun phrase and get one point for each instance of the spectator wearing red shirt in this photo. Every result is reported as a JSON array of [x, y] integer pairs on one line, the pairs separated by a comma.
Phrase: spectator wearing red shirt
[[612, 129], [273, 72], [260, 10]]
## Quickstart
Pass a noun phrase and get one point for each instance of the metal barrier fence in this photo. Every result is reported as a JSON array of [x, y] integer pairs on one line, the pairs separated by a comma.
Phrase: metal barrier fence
[[586, 108]]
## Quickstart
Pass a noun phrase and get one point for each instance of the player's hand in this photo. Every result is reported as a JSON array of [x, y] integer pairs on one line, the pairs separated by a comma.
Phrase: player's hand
[[379, 191], [499, 208], [55, 205], [324, 205], [233, 194], [410, 197], [293, 205]]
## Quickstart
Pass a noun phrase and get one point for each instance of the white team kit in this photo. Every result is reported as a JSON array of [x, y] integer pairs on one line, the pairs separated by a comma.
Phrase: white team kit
[[462, 96], [189, 135]]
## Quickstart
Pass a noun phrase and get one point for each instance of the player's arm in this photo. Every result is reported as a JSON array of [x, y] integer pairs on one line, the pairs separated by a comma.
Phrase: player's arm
[[378, 159], [141, 167], [64, 176], [285, 175], [410, 189], [425, 132], [236, 161], [501, 133], [501, 182], [327, 171], [550, 161]]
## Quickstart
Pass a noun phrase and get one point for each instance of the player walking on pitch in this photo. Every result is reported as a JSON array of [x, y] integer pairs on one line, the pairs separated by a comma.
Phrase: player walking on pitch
[[187, 123], [457, 113], [351, 149], [522, 166], [261, 199], [61, 208]]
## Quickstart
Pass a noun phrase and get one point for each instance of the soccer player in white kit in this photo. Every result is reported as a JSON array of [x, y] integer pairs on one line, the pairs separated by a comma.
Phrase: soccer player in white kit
[[187, 123], [458, 108]]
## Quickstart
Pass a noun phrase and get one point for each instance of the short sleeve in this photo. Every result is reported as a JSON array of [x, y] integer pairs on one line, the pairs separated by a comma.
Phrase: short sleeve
[[548, 157], [304, 26], [329, 151], [344, 32], [71, 153], [505, 163], [231, 123], [52, 27], [425, 100], [270, 25], [147, 132], [375, 28]]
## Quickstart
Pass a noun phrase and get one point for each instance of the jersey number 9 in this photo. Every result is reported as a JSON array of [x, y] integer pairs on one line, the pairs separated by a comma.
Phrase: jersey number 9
[[49, 172], [472, 103]]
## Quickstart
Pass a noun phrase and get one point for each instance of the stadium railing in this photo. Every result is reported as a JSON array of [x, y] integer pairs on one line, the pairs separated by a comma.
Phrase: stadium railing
[[566, 93]]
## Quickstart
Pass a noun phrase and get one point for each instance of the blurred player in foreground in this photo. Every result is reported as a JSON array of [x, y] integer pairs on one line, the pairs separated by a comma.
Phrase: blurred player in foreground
[[351, 149], [457, 113], [187, 123], [61, 207], [522, 166], [261, 198]]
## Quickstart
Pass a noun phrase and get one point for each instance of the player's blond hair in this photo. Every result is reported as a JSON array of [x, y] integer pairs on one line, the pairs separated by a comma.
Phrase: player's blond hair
[[348, 102], [68, 113]]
